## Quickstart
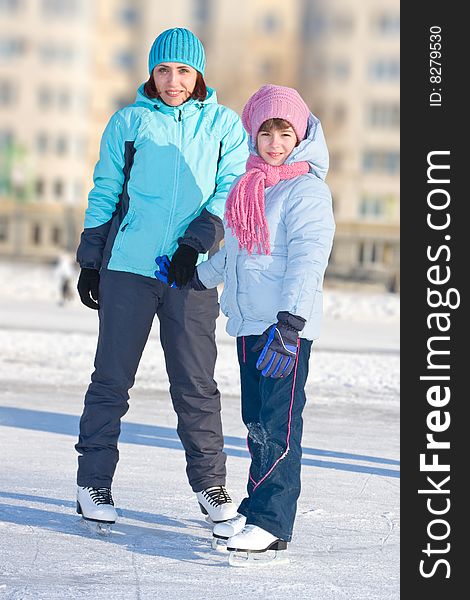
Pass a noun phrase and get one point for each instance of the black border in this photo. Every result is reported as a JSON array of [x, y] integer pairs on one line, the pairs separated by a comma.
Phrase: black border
[[426, 128]]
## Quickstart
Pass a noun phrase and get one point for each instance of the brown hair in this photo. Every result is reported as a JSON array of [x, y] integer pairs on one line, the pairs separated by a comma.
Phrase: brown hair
[[199, 92], [277, 124]]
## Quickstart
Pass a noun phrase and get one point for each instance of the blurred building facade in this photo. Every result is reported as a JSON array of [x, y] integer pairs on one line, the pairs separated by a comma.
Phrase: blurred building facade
[[350, 77], [67, 65]]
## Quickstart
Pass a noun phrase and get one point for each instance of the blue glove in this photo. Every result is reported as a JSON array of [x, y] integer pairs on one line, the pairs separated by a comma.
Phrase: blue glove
[[279, 345], [163, 263]]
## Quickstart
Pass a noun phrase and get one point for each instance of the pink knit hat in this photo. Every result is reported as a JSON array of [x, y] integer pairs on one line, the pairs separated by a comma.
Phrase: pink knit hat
[[275, 102]]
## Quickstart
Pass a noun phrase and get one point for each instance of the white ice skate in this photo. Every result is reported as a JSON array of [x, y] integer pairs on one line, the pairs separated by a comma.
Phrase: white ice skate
[[97, 509], [226, 529], [254, 546], [216, 504]]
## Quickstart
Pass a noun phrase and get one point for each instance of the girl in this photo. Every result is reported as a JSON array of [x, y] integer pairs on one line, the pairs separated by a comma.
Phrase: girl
[[279, 232]]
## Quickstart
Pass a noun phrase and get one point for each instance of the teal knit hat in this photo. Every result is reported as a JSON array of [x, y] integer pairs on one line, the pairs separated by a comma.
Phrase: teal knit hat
[[177, 45]]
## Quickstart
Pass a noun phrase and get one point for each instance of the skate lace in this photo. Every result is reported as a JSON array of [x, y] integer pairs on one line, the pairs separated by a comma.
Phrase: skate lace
[[101, 495], [249, 529], [217, 495]]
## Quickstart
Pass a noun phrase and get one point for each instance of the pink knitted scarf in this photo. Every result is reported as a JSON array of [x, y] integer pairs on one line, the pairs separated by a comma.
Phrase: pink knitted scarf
[[244, 210]]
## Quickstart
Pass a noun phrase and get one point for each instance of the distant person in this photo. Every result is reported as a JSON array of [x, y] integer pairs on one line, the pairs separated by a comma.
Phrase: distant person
[[166, 164], [278, 238], [64, 271]]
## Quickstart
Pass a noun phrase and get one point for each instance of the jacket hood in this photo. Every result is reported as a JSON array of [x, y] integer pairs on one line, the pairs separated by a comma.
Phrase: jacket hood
[[141, 98], [312, 149]]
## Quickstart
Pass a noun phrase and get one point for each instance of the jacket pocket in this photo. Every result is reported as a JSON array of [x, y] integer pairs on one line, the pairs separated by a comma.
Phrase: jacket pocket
[[263, 262], [224, 301], [124, 227]]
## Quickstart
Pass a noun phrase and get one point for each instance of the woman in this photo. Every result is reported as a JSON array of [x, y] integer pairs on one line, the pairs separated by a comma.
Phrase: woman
[[166, 164]]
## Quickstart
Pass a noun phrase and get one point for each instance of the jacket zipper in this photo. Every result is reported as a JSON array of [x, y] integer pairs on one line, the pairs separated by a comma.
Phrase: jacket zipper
[[177, 167]]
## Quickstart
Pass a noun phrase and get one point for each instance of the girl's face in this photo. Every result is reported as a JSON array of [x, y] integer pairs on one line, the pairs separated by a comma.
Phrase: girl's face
[[275, 146], [175, 82]]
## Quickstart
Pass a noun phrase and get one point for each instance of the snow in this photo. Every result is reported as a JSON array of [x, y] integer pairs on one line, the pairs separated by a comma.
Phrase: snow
[[346, 537]]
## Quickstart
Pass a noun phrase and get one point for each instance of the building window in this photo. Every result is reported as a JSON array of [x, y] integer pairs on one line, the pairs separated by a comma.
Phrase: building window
[[371, 208], [61, 145], [384, 69], [201, 12], [46, 53], [12, 48], [44, 98], [53, 53], [56, 236], [270, 23], [60, 8], [267, 68], [58, 188], [340, 69], [7, 92], [378, 207], [383, 115], [334, 70], [10, 6], [368, 253], [36, 234], [65, 99], [41, 143], [6, 139], [387, 24], [342, 24], [128, 15], [378, 161], [316, 24], [4, 226], [39, 187], [124, 60]]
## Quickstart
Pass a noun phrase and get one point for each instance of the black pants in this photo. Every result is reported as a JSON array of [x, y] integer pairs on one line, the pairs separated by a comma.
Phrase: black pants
[[128, 304]]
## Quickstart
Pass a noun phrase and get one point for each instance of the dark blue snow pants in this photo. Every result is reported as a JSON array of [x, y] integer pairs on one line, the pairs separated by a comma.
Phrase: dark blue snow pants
[[128, 304], [272, 412]]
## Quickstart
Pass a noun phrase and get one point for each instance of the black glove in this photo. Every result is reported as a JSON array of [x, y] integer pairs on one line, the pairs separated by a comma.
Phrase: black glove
[[278, 345], [163, 263], [182, 265], [88, 283]]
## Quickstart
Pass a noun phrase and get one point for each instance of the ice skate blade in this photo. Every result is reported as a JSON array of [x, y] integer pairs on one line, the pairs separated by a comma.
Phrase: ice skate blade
[[209, 521], [245, 559], [96, 527], [219, 544]]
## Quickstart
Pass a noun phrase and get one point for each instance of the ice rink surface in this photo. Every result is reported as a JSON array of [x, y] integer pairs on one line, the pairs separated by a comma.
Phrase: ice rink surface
[[346, 538]]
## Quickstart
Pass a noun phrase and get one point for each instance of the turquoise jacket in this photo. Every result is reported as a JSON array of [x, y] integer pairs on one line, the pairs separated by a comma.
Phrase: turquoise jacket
[[301, 227], [162, 178]]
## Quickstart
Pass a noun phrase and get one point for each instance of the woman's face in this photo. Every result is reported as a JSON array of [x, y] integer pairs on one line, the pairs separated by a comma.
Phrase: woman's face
[[175, 82], [275, 146]]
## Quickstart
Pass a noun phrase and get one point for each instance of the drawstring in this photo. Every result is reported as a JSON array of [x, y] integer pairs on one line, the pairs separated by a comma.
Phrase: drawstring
[[244, 349]]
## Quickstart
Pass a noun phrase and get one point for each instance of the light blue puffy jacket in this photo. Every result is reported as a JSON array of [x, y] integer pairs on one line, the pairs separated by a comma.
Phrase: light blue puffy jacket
[[163, 176], [301, 226]]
